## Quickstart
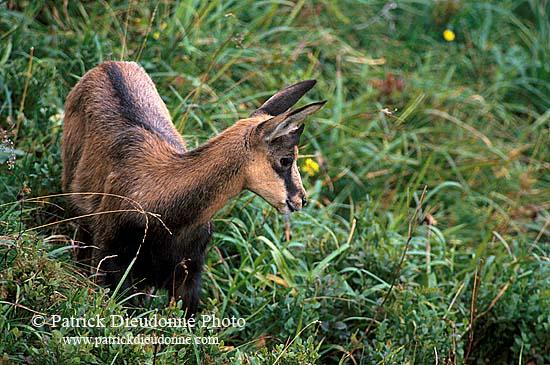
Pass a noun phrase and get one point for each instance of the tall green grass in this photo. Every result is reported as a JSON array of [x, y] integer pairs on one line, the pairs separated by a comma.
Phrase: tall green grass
[[375, 271]]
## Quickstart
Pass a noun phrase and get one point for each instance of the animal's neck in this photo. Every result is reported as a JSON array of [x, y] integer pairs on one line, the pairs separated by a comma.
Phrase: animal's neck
[[203, 180]]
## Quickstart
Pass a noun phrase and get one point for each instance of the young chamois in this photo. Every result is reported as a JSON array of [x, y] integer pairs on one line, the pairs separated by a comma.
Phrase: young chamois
[[119, 143]]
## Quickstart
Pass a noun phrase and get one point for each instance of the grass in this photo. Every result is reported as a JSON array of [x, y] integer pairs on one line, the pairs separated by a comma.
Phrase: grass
[[427, 236]]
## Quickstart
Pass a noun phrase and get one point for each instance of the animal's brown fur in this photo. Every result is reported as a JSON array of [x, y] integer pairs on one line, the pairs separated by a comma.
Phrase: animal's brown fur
[[119, 140]]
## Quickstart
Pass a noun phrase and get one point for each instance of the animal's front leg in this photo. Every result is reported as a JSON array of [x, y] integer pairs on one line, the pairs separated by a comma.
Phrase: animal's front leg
[[114, 253], [186, 284], [108, 264]]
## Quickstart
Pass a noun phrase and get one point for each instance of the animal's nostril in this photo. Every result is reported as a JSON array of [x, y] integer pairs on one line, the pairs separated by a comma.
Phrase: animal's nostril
[[304, 201]]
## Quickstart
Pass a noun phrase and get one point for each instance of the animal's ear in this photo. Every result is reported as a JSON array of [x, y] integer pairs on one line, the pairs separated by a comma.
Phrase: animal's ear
[[287, 123], [284, 99]]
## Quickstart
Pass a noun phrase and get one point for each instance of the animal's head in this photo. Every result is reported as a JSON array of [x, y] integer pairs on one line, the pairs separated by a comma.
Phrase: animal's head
[[272, 172]]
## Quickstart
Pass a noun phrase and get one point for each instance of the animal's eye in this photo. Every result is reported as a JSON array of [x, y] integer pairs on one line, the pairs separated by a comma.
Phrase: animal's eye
[[286, 161]]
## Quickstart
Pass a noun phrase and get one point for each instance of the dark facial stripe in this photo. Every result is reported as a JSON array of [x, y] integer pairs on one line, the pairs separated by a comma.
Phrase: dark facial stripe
[[286, 175], [291, 187]]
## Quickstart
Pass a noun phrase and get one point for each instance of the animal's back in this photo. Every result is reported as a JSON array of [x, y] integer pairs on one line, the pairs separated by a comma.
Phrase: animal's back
[[112, 110]]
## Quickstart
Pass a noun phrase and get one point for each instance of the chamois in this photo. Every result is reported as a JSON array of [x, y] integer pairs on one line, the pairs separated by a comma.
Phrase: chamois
[[121, 152]]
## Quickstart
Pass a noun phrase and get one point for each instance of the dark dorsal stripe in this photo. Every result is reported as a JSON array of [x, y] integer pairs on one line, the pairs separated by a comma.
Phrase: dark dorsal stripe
[[131, 112], [128, 108]]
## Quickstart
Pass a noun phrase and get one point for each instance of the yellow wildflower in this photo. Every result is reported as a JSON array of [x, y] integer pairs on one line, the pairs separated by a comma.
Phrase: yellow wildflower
[[156, 36], [449, 35], [311, 167]]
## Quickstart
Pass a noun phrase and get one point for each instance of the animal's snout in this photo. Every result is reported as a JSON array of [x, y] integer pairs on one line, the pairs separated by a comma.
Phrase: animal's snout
[[296, 203]]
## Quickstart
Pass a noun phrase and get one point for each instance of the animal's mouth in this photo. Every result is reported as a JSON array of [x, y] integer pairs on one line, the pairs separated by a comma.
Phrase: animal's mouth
[[291, 207]]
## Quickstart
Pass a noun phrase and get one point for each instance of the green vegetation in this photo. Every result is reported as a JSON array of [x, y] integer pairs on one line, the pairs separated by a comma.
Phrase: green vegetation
[[427, 236]]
